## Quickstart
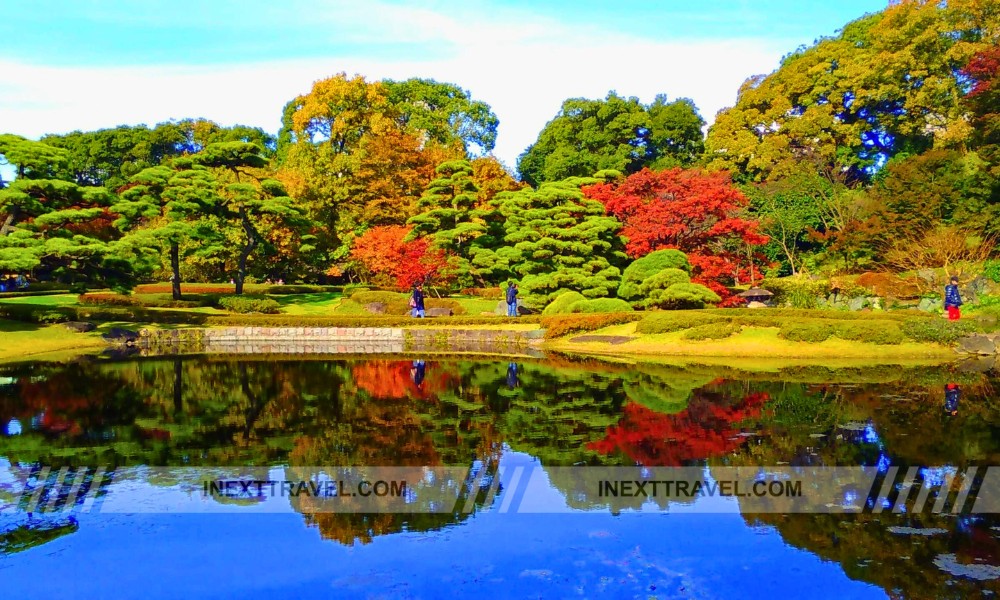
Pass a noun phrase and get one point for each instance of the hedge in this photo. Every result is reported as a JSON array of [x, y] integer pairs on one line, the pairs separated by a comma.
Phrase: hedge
[[560, 325], [147, 300], [46, 314]]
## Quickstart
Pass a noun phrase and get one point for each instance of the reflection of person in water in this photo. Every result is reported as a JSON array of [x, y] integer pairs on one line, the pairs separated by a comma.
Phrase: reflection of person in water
[[417, 372], [952, 393], [512, 375]]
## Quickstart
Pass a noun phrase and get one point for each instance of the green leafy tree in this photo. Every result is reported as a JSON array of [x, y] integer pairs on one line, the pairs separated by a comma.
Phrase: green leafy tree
[[829, 105], [558, 240], [445, 113], [614, 133]]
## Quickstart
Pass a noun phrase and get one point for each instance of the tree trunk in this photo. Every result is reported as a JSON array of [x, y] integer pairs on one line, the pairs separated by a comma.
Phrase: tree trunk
[[252, 236], [175, 268], [8, 223]]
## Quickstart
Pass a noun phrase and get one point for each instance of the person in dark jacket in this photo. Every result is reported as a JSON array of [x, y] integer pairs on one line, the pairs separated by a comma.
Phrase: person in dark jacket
[[512, 299], [952, 300], [417, 301]]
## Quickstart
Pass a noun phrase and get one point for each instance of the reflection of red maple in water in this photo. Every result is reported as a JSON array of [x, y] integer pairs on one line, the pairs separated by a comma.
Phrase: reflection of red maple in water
[[394, 379], [706, 428]]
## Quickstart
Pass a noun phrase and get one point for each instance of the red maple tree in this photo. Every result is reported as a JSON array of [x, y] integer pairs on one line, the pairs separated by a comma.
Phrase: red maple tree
[[694, 211]]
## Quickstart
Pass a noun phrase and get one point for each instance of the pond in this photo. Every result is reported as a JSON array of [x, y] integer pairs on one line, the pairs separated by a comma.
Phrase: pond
[[100, 460]]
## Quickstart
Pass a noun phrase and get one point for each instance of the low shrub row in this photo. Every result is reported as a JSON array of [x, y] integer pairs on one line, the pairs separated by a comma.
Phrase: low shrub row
[[147, 300], [228, 288], [885, 333], [55, 314], [560, 325], [712, 331], [250, 304]]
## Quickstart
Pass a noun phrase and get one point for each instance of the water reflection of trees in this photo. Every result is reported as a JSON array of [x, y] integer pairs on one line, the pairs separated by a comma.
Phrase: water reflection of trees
[[227, 412]]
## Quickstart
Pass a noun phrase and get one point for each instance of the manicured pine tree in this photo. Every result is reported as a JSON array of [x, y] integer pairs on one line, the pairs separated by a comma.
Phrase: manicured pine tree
[[450, 218], [558, 240], [250, 199], [165, 206], [49, 223]]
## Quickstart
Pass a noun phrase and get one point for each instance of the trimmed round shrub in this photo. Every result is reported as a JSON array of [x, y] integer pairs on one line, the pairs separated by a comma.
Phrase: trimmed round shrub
[[600, 305], [682, 295], [249, 304], [562, 303], [872, 333], [643, 268]]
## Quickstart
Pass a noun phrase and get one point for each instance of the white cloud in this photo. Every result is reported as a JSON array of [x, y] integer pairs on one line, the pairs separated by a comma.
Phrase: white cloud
[[523, 72]]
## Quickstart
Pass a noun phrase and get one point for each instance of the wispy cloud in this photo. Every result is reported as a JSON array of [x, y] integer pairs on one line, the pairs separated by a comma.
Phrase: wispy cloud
[[523, 67]]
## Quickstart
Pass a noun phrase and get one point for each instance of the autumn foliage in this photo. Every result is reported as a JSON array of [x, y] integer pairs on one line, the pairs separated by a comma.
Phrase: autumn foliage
[[706, 428], [384, 253], [694, 211]]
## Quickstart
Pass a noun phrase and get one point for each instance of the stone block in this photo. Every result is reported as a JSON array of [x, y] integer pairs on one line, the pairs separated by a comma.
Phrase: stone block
[[976, 344], [80, 326]]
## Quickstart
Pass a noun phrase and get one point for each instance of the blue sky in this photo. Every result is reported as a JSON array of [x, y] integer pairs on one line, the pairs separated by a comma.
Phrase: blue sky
[[87, 64]]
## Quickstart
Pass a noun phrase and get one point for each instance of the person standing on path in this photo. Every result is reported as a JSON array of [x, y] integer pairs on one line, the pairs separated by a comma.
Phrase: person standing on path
[[511, 299], [952, 300], [417, 301]]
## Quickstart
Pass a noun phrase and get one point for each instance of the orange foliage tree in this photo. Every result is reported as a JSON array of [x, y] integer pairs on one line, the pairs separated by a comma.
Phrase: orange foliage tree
[[390, 259]]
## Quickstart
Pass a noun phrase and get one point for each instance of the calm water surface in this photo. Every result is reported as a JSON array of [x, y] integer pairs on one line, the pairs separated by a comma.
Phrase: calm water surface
[[126, 415]]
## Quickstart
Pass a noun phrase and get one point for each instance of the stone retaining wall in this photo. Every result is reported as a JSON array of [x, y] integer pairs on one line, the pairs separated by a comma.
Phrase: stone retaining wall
[[336, 340]]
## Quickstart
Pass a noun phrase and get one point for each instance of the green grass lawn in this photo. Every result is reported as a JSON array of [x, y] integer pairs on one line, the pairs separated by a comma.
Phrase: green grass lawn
[[23, 340], [54, 300]]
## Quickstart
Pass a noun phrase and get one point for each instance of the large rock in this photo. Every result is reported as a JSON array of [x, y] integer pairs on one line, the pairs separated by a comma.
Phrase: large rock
[[929, 304], [375, 308], [438, 312], [118, 334], [856, 304], [976, 344], [927, 275], [756, 304], [875, 303], [80, 326]]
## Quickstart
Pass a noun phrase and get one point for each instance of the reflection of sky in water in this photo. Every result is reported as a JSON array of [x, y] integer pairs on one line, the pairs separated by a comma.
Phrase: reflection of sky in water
[[512, 554]]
